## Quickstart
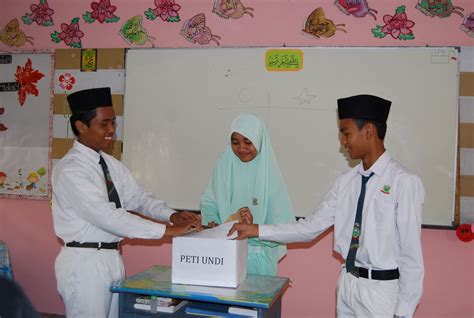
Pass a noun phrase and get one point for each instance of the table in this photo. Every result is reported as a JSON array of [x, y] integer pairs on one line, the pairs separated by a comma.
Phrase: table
[[5, 265], [261, 293]]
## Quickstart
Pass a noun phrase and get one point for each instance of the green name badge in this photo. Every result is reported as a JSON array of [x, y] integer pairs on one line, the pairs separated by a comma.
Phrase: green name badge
[[284, 60]]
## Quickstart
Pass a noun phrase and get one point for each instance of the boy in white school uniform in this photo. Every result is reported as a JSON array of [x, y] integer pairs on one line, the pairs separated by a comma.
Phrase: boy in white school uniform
[[92, 194], [375, 209]]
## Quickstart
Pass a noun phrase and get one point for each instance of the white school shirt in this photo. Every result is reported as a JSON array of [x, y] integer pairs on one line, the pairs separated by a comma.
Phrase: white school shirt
[[391, 224], [81, 208]]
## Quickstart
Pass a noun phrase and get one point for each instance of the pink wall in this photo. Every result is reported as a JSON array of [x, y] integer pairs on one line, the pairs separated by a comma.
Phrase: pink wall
[[26, 226], [275, 23]]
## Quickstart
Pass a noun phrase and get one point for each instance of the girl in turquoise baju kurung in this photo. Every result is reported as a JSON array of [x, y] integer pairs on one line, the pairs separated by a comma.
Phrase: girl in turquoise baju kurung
[[256, 184]]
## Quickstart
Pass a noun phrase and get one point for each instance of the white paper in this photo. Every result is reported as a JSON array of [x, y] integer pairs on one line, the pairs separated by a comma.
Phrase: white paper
[[243, 311], [208, 290], [218, 232]]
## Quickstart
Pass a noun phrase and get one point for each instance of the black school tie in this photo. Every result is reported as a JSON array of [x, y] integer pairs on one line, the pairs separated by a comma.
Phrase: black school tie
[[111, 191], [350, 260]]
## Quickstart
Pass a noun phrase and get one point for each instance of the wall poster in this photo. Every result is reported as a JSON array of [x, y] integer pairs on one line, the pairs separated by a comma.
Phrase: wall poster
[[25, 124]]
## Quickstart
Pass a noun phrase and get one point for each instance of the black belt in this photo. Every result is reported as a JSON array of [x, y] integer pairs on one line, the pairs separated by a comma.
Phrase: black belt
[[100, 245], [376, 274]]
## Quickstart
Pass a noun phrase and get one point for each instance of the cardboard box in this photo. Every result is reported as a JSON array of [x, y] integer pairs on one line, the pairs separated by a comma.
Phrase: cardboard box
[[207, 258]]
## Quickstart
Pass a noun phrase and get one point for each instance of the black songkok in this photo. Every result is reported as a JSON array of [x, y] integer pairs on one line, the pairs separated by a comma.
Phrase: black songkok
[[89, 99], [367, 107]]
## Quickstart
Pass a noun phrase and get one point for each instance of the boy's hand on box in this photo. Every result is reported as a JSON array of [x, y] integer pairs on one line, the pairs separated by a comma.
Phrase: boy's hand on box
[[180, 229], [184, 217], [244, 230]]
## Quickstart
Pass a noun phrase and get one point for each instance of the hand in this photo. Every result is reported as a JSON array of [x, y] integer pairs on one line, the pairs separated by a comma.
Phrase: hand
[[212, 224], [244, 230], [180, 229], [246, 215], [184, 217]]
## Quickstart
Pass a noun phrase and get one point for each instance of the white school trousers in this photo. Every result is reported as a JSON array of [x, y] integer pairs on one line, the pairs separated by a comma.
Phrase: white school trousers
[[365, 298], [84, 276]]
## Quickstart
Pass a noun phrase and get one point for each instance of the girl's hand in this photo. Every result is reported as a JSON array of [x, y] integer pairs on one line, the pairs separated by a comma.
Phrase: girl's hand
[[212, 224], [246, 215]]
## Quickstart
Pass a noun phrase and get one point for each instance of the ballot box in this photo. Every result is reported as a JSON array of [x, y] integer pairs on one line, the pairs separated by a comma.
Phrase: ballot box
[[209, 258]]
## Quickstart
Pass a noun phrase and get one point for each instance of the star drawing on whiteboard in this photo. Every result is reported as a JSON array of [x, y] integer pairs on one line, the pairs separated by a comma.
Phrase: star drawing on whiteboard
[[304, 97]]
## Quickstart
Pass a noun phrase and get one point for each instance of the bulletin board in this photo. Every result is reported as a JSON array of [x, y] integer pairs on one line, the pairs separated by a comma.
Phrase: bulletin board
[[25, 125], [179, 105]]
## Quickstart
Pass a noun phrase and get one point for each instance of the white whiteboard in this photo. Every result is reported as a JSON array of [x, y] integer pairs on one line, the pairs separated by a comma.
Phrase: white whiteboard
[[179, 104]]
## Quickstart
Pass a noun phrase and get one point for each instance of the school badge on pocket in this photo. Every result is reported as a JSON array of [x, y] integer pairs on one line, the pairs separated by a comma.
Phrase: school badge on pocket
[[385, 189]]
